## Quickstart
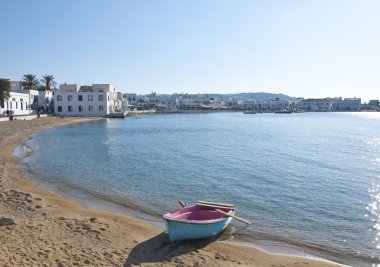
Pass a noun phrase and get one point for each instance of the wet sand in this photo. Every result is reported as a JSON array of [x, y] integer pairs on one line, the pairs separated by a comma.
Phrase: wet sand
[[42, 228]]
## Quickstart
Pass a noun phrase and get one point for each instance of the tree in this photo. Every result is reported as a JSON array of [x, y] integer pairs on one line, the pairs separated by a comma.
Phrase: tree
[[48, 82], [29, 81], [5, 87]]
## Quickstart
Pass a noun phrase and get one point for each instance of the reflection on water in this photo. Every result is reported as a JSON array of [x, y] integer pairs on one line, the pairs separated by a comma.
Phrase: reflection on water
[[374, 216], [366, 115], [374, 193]]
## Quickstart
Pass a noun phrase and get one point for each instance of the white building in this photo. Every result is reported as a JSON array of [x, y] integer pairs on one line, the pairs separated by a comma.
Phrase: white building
[[94, 100], [279, 104], [374, 102], [315, 104], [262, 105], [330, 104], [246, 104], [218, 103], [15, 86], [347, 104], [191, 101], [16, 104], [134, 102], [167, 102], [24, 102]]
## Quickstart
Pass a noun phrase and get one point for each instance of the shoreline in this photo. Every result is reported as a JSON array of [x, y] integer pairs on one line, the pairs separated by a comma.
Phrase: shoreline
[[96, 237]]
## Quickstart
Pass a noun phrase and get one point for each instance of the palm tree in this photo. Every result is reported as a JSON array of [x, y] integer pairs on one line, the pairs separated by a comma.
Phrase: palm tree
[[5, 87], [29, 81], [48, 82]]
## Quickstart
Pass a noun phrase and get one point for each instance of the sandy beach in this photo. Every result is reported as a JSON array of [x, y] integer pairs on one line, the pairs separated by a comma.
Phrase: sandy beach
[[42, 228]]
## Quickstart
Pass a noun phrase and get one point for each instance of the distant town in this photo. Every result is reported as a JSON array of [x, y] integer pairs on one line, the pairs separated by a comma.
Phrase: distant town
[[104, 100]]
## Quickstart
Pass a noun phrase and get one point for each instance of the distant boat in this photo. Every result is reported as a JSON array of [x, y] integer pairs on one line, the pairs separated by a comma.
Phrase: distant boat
[[249, 112], [283, 111], [204, 219], [121, 114]]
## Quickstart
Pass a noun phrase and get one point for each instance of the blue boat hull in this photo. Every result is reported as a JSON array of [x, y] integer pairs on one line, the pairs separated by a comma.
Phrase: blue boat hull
[[178, 230]]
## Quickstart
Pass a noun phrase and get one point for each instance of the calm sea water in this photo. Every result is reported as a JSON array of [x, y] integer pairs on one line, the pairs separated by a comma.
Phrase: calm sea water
[[308, 180]]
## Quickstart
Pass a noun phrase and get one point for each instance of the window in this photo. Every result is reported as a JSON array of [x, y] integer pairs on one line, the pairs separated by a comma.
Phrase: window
[[70, 108], [90, 97], [69, 98], [90, 108], [80, 98], [2, 104], [80, 108], [16, 106], [101, 108], [22, 106], [59, 108], [100, 97], [59, 98]]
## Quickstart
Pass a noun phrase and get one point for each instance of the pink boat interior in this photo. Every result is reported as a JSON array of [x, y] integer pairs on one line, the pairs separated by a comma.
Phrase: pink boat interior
[[196, 213]]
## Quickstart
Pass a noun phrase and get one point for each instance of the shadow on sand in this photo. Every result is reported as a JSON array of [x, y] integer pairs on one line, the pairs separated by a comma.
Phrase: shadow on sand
[[160, 249]]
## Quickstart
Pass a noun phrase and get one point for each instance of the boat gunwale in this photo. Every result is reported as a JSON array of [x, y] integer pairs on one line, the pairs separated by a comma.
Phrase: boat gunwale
[[195, 221]]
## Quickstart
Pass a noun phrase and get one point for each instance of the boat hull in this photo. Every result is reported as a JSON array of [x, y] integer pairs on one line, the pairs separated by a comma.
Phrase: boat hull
[[194, 223], [184, 231]]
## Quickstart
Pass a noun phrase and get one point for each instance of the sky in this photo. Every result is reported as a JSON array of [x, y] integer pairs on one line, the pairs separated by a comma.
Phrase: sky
[[314, 48]]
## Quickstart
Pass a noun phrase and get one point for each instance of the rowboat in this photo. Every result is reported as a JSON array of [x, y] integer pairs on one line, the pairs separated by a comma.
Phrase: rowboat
[[283, 111], [202, 220], [249, 112]]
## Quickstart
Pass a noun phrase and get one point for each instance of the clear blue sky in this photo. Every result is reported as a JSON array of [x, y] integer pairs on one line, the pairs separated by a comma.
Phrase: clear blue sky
[[315, 48]]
